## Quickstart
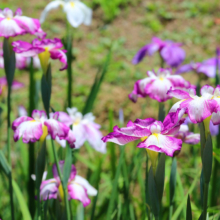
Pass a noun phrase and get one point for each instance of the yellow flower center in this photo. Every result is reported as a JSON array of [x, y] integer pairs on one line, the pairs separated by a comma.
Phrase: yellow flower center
[[161, 78], [144, 138], [61, 192], [44, 59], [45, 133], [156, 135], [72, 4]]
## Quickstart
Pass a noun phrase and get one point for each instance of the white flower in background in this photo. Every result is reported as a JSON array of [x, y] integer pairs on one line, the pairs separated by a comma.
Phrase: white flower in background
[[77, 13]]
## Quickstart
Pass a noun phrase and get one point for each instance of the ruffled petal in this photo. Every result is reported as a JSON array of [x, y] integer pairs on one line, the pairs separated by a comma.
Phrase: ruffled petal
[[65, 118], [207, 91], [59, 54], [144, 123], [161, 143], [91, 191], [49, 189], [78, 192], [179, 94]]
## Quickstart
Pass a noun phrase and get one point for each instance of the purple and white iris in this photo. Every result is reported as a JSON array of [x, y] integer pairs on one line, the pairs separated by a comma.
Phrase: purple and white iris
[[199, 108], [37, 127], [171, 52], [84, 129], [78, 187], [45, 49], [157, 84], [154, 135], [13, 25], [77, 13], [207, 67]]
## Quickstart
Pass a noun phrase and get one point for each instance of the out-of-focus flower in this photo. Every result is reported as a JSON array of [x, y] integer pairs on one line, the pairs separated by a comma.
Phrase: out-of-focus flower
[[45, 49], [37, 127], [13, 25], [22, 111], [77, 13], [15, 84], [154, 135], [207, 67], [199, 108], [171, 52], [33, 176], [78, 187], [84, 128], [214, 129], [157, 84], [186, 136]]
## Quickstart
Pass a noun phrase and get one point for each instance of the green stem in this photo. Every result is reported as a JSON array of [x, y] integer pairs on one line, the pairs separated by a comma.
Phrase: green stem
[[9, 151], [161, 113], [61, 178], [170, 211], [146, 189], [205, 200], [31, 166]]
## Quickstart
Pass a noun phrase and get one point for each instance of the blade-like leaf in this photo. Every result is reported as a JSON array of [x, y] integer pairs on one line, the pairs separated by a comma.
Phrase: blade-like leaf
[[96, 85], [189, 210], [4, 164], [173, 180], [21, 202], [201, 187], [160, 176], [9, 61], [161, 114], [153, 194], [67, 165], [46, 88], [207, 159], [202, 137]]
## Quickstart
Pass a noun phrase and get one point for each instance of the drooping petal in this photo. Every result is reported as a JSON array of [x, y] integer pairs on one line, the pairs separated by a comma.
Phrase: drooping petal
[[140, 55], [179, 94], [215, 118], [93, 135], [80, 134], [20, 120], [52, 5], [91, 191], [71, 139], [162, 143], [49, 189], [78, 192], [87, 13], [184, 68], [59, 54]]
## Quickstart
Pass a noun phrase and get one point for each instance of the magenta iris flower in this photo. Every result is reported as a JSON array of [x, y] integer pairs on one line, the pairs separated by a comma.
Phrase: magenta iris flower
[[13, 25], [37, 127], [207, 67], [157, 84], [45, 49], [154, 135], [199, 108], [78, 187], [171, 52]]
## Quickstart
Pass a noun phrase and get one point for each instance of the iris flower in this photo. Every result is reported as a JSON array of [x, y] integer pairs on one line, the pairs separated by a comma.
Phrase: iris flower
[[78, 187], [154, 135], [45, 49], [37, 127], [77, 13], [207, 67], [198, 108], [84, 129], [13, 25], [171, 52], [157, 84]]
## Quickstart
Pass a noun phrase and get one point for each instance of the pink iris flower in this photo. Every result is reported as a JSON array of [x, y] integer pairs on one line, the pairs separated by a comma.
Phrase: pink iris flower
[[37, 127], [154, 135], [207, 67], [13, 25], [84, 129], [198, 108], [78, 187], [45, 49], [171, 52], [157, 84]]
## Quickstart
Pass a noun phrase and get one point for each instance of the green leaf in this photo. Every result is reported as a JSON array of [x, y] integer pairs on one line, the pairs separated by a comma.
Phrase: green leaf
[[9, 61], [161, 114], [173, 180], [201, 186], [4, 164], [67, 165], [153, 194], [21, 202], [46, 83], [188, 210], [207, 159], [80, 212], [115, 184], [96, 85], [160, 176], [202, 136]]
